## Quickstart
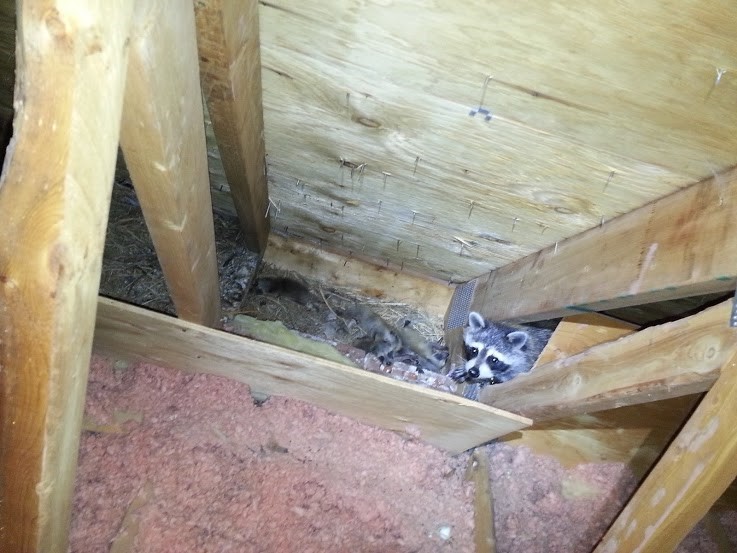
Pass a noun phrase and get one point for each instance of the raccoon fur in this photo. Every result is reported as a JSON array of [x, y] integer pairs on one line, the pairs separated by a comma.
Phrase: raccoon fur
[[286, 288], [391, 344], [381, 339], [428, 356], [498, 352]]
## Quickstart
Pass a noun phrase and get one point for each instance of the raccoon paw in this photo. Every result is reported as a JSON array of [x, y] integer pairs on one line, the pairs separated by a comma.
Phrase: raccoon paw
[[459, 374]]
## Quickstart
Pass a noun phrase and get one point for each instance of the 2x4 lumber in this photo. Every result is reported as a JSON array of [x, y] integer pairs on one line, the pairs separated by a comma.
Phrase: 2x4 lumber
[[230, 68], [366, 278], [484, 536], [636, 435], [680, 245], [445, 420], [692, 474], [54, 198], [674, 359], [163, 140]]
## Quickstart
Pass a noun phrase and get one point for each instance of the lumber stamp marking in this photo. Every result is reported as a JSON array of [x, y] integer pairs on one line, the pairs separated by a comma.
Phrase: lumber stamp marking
[[54, 197], [230, 67], [692, 474], [163, 140]]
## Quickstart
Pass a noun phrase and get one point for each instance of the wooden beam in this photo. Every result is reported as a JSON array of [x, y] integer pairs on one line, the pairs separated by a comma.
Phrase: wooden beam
[[444, 420], [484, 536], [677, 246], [636, 435], [578, 333], [366, 278], [54, 197], [163, 140], [695, 470], [230, 67], [670, 360]]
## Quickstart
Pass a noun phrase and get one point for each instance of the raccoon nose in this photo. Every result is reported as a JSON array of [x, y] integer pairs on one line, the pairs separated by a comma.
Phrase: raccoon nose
[[473, 372]]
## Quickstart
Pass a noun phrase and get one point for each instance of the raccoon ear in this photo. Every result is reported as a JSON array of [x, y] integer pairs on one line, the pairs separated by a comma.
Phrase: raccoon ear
[[475, 320], [517, 338]]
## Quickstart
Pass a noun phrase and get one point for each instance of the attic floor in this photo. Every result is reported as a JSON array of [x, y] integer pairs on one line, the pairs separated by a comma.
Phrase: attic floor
[[178, 462]]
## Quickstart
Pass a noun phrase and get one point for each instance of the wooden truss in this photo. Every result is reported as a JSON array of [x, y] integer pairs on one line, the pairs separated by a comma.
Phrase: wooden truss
[[83, 67]]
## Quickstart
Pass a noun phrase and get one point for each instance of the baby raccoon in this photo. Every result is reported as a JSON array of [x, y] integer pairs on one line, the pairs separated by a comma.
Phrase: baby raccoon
[[391, 344], [286, 288], [428, 356], [497, 352], [381, 339]]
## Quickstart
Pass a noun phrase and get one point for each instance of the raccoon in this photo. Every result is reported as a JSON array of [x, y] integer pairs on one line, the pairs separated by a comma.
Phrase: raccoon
[[497, 352], [286, 288], [426, 355], [381, 339]]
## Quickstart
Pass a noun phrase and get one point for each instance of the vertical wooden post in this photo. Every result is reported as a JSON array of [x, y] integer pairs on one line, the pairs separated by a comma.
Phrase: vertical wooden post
[[163, 140], [230, 65], [54, 198], [692, 474]]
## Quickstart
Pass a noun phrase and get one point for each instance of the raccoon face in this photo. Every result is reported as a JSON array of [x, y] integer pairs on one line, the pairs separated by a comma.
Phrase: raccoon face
[[494, 354]]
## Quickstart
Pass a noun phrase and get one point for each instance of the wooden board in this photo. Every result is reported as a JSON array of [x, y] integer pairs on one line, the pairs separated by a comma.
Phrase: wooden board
[[163, 140], [445, 420], [635, 435], [661, 362], [230, 65], [597, 109], [677, 246], [54, 197], [695, 470], [484, 537], [369, 279]]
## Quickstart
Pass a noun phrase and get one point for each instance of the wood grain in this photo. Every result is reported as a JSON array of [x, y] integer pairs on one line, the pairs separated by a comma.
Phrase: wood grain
[[661, 362], [54, 196], [695, 470], [163, 140], [369, 279], [230, 66], [678, 246], [484, 536], [635, 435], [597, 109], [441, 419]]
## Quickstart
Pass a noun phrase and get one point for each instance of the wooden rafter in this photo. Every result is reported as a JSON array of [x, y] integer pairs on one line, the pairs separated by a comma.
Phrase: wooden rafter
[[230, 66], [670, 360], [635, 435], [692, 474], [447, 421], [163, 139], [677, 246], [54, 198]]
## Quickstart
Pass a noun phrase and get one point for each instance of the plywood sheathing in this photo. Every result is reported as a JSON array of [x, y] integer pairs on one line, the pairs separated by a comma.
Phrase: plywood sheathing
[[596, 110]]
